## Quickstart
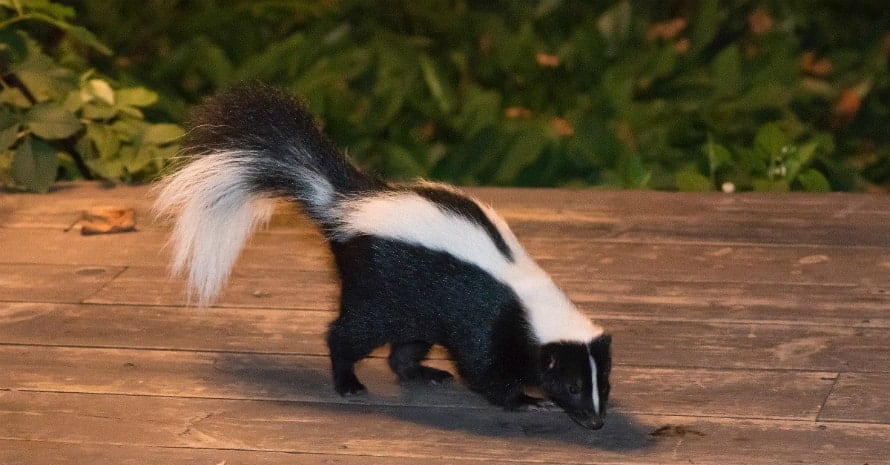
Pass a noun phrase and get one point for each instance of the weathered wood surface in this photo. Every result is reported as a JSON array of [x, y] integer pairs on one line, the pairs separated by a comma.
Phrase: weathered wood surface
[[748, 329]]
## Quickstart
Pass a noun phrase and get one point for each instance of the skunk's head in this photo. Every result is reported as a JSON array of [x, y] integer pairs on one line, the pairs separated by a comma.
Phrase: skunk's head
[[576, 377]]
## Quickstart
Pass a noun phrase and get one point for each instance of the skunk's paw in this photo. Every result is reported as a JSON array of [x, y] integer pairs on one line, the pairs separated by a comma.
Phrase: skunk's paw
[[526, 403], [435, 375], [350, 387], [425, 374]]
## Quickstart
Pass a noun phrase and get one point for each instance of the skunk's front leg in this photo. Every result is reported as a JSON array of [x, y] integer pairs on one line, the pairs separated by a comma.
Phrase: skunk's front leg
[[508, 394]]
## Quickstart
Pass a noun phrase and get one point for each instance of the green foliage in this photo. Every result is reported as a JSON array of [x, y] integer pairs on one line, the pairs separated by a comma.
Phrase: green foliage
[[52, 117], [691, 95], [775, 163]]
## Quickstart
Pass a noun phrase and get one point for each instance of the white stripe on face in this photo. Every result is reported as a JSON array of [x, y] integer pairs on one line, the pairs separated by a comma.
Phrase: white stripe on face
[[595, 394]]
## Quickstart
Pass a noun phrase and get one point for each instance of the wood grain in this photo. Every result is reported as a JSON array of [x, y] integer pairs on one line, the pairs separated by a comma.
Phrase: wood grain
[[748, 329], [707, 392], [427, 432]]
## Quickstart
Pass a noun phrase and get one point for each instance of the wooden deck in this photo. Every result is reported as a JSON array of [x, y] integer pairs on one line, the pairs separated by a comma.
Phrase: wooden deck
[[748, 329]]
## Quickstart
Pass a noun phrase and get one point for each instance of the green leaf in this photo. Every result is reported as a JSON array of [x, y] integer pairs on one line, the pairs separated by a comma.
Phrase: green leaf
[[159, 134], [618, 86], [127, 129], [35, 165], [726, 72], [664, 62], [143, 157], [805, 153], [72, 102], [43, 78], [480, 109], [718, 156], [813, 181], [401, 163], [798, 158], [104, 139], [53, 9], [97, 89], [132, 112], [136, 97], [690, 180], [50, 121], [528, 143], [9, 136], [12, 44], [14, 97], [98, 111], [706, 24], [82, 35], [632, 171], [770, 140], [437, 86]]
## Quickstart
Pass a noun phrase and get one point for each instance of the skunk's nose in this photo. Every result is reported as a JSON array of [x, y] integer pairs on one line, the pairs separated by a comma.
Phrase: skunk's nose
[[588, 420]]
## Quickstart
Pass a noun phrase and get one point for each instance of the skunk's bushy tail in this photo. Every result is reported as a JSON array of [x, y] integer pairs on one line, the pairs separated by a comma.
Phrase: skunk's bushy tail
[[248, 146]]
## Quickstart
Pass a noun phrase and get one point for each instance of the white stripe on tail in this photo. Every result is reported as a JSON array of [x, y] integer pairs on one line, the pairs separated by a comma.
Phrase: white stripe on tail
[[215, 212]]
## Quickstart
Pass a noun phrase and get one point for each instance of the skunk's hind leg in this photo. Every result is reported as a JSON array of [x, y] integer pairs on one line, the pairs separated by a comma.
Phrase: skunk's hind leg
[[347, 349], [405, 358]]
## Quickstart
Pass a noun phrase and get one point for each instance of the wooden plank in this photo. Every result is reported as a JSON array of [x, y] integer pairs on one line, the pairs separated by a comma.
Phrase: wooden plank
[[275, 331], [630, 215], [672, 217], [428, 432], [297, 288], [49, 453], [291, 250], [799, 304], [859, 397], [62, 207], [638, 342], [562, 256], [25, 282], [18, 452], [165, 328], [648, 204], [607, 263], [704, 393], [567, 255], [572, 257], [762, 346], [693, 260]]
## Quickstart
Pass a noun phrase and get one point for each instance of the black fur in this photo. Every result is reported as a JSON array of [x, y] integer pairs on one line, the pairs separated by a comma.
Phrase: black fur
[[393, 292], [281, 133], [568, 380], [412, 297]]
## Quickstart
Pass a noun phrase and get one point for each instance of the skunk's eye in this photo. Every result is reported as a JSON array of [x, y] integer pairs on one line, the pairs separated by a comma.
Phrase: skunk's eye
[[574, 390]]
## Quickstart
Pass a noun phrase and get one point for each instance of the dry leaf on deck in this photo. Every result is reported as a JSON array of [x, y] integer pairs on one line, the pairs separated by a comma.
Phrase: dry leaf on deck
[[105, 220]]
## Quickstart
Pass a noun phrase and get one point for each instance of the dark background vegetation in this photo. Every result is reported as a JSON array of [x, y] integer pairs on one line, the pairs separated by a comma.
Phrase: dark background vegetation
[[679, 95]]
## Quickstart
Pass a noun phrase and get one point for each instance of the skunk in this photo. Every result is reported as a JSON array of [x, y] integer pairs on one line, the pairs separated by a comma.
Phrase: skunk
[[419, 264]]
